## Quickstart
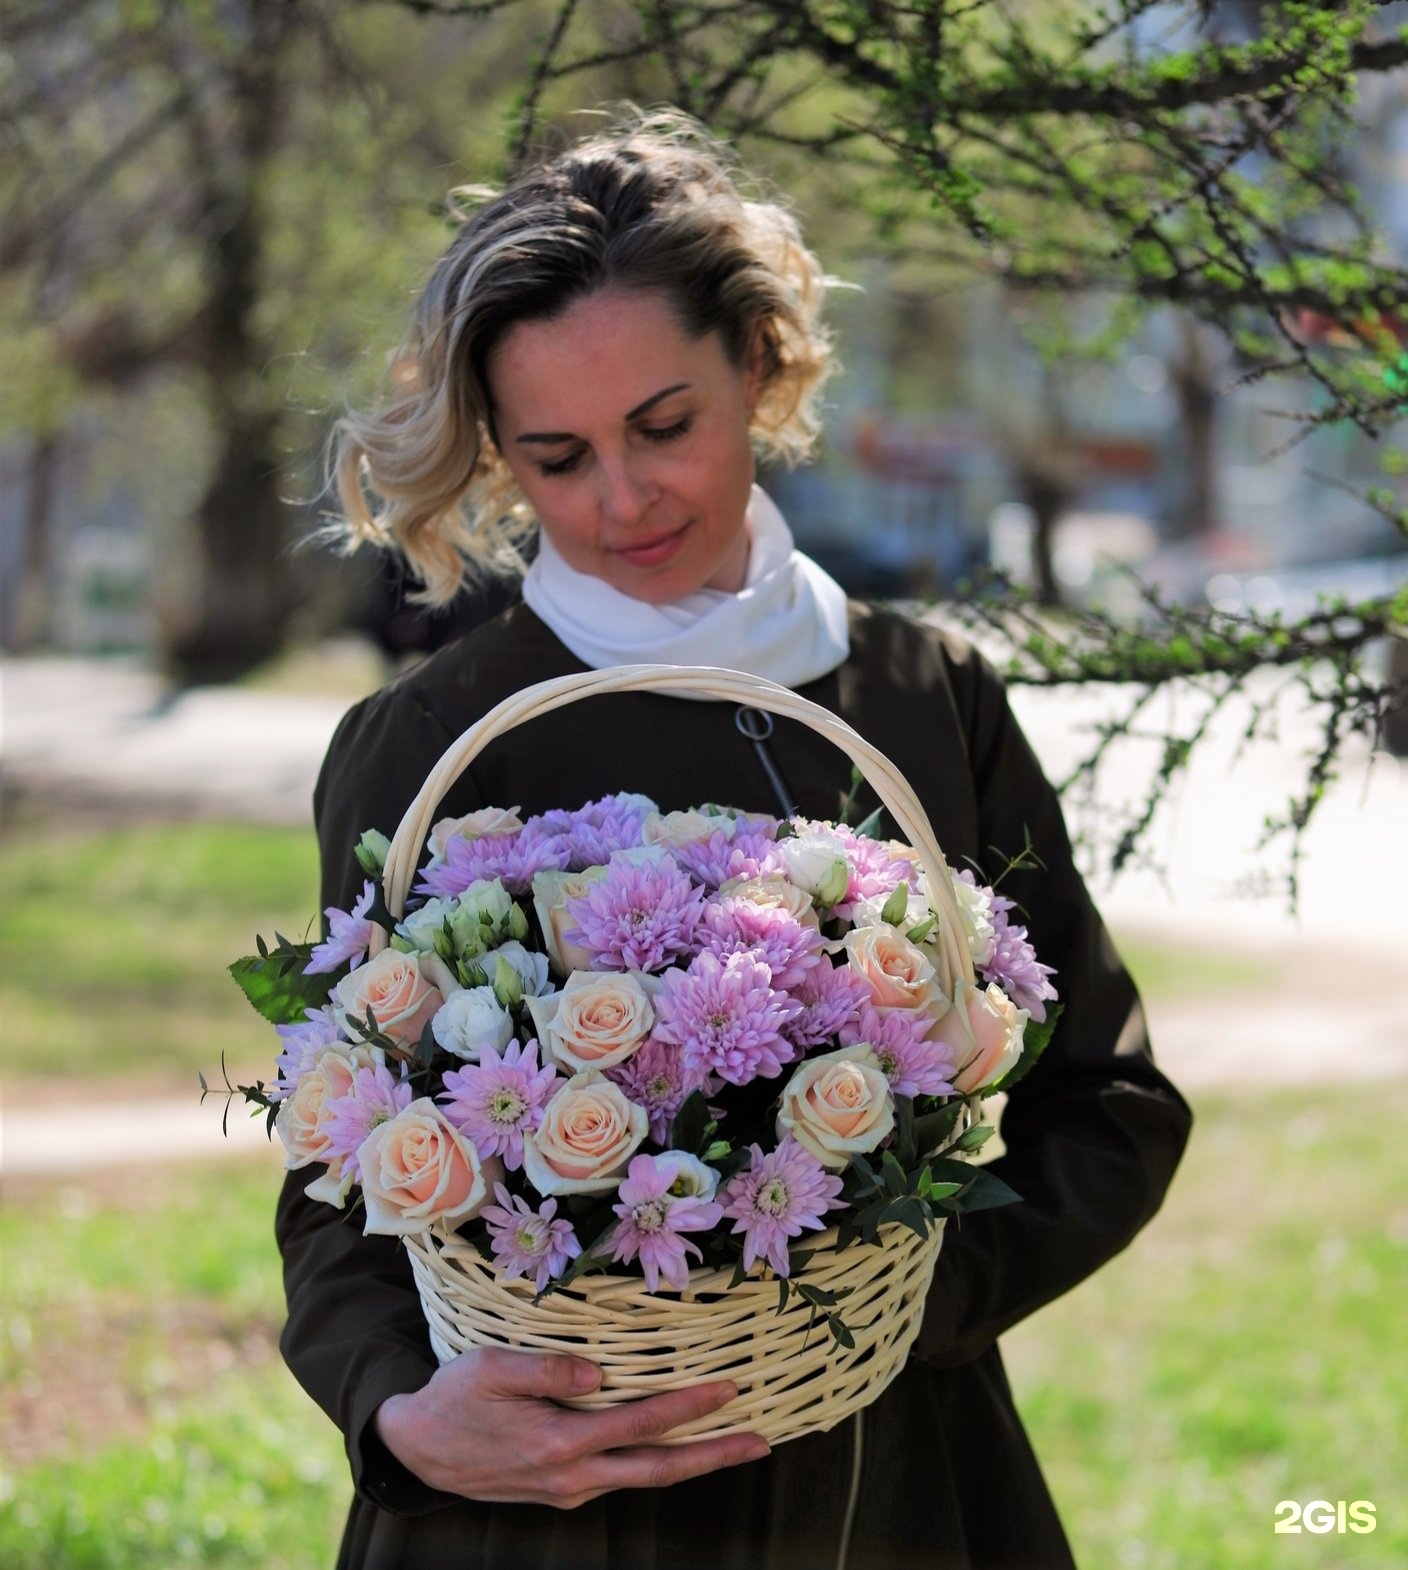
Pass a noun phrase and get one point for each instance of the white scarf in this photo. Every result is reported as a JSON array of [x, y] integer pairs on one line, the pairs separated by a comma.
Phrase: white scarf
[[787, 623]]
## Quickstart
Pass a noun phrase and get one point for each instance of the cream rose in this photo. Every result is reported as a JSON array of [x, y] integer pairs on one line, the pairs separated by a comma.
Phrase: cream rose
[[473, 826], [984, 1031], [551, 891], [403, 992], [419, 1170], [899, 974], [300, 1118], [775, 892], [598, 1019], [838, 1104], [587, 1137], [674, 830]]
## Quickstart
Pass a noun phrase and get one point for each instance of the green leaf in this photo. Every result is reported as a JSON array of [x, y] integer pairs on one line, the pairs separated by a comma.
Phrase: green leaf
[[906, 1141], [986, 1192], [691, 1129], [896, 1178], [840, 1331], [933, 1128], [870, 828], [282, 1000]]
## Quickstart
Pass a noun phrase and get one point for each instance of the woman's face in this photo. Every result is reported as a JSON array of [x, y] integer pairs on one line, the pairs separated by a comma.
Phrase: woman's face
[[630, 441]]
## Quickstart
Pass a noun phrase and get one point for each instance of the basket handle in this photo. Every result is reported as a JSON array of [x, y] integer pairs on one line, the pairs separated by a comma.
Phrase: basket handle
[[706, 682]]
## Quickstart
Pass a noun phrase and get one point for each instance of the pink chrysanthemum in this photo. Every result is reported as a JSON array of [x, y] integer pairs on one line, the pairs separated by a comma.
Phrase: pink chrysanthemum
[[303, 1044], [739, 926], [829, 997], [527, 1242], [914, 1065], [652, 1220], [658, 1078], [728, 1017], [495, 1101], [715, 860], [349, 933], [377, 1095], [640, 916], [777, 1197], [513, 858]]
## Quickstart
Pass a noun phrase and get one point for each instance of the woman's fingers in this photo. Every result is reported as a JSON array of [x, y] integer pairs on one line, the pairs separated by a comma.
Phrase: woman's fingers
[[658, 1466], [651, 1417], [552, 1376]]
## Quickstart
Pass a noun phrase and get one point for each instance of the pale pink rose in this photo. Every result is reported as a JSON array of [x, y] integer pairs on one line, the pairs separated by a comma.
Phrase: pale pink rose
[[418, 1170], [597, 1020], [838, 1104], [403, 991], [300, 1118], [675, 830], [473, 826], [775, 893], [984, 1032], [900, 975], [588, 1135], [551, 891]]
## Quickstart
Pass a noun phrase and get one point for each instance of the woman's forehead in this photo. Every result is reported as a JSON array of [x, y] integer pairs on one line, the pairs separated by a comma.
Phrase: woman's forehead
[[604, 356]]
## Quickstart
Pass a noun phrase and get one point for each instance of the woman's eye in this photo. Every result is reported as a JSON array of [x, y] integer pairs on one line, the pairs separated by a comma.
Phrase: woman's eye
[[667, 433], [561, 465]]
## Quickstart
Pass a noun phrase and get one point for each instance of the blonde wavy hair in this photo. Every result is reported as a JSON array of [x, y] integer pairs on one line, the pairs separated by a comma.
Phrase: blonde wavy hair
[[653, 203]]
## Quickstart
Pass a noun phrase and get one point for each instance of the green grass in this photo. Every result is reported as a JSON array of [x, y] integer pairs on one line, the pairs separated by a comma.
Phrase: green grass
[[1163, 974], [140, 1370], [116, 943], [1244, 1351]]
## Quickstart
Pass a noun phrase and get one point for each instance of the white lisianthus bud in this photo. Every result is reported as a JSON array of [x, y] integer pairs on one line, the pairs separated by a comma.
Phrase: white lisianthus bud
[[508, 986]]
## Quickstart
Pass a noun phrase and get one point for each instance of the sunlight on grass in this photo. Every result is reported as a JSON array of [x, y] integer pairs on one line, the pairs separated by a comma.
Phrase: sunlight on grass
[[147, 918], [1238, 1353]]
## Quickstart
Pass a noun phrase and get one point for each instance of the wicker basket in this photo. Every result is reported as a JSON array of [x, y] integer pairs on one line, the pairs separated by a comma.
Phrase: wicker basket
[[792, 1378]]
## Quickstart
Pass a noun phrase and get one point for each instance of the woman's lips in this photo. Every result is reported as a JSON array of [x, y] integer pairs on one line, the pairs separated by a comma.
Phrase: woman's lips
[[650, 553]]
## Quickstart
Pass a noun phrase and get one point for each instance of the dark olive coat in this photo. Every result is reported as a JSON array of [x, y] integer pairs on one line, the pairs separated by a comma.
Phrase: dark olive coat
[[948, 1478]]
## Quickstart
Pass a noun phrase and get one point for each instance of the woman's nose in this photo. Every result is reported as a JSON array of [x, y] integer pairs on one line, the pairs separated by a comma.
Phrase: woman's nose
[[626, 489]]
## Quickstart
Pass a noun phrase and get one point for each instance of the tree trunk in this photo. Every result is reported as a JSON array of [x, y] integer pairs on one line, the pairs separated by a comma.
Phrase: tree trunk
[[233, 616], [32, 609], [1197, 404]]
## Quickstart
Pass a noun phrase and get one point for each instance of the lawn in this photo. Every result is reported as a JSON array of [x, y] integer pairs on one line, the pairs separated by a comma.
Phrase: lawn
[[1244, 1351]]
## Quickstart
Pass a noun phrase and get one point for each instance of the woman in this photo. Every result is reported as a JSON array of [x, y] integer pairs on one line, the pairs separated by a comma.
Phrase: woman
[[600, 352]]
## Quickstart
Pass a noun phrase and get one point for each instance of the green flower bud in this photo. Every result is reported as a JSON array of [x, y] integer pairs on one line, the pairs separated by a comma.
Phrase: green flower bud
[[896, 909], [371, 853], [833, 886], [508, 985]]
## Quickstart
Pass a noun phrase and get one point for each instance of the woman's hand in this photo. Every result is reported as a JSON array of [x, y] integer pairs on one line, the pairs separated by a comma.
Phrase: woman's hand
[[487, 1427]]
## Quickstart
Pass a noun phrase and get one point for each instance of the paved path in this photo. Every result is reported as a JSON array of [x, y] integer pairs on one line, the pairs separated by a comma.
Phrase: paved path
[[101, 733]]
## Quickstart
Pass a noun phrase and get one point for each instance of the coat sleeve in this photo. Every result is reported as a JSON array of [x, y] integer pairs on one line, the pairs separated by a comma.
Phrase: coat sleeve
[[355, 1334], [1095, 1131]]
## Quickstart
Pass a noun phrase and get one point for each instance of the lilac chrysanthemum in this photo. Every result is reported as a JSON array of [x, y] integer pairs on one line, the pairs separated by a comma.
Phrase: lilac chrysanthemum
[[652, 1219], [527, 1242], [513, 858], [640, 916], [830, 996], [377, 1095], [658, 1078], [349, 933], [914, 1065], [496, 1101], [303, 1044], [779, 1196], [718, 858], [728, 1017], [789, 948], [594, 833], [1012, 963]]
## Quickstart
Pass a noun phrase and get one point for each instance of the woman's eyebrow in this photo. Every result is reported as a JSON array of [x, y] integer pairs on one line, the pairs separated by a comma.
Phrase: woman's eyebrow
[[635, 414]]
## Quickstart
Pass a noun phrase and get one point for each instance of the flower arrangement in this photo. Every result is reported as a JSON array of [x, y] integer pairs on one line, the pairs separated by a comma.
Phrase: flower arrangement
[[616, 1039]]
